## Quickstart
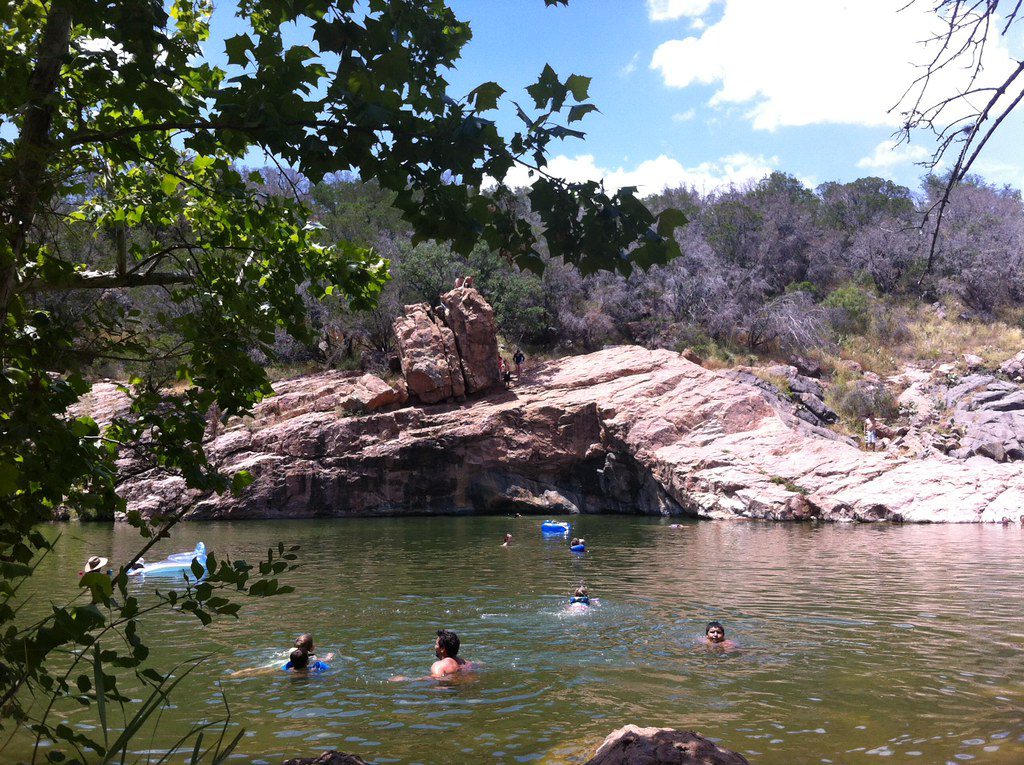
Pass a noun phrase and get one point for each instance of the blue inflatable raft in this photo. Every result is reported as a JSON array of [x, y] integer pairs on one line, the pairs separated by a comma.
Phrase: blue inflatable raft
[[173, 565], [555, 527]]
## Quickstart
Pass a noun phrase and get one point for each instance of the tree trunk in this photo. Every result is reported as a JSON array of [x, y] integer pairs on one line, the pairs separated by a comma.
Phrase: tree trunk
[[25, 175]]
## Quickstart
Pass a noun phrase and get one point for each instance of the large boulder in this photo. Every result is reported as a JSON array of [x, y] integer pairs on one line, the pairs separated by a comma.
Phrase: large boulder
[[1013, 367], [471, 320], [430, 358], [328, 758], [632, 745]]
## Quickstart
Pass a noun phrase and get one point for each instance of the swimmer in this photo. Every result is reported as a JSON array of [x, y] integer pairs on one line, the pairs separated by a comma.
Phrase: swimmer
[[714, 637], [94, 565], [446, 648], [508, 541], [298, 661], [305, 643], [304, 646], [580, 596]]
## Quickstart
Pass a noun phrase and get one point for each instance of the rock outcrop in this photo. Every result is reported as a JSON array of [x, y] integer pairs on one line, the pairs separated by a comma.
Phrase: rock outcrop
[[632, 745], [448, 352], [430, 360], [471, 320], [621, 430]]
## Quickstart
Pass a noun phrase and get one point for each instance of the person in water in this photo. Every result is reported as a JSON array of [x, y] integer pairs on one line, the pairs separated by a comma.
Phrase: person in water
[[95, 564], [714, 636], [298, 661], [508, 541], [580, 595], [446, 648], [305, 642]]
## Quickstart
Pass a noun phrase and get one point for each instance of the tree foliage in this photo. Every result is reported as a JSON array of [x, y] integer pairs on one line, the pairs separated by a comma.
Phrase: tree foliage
[[122, 140]]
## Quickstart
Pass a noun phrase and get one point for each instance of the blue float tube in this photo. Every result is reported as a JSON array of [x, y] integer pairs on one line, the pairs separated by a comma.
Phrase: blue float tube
[[555, 527], [173, 565], [578, 548]]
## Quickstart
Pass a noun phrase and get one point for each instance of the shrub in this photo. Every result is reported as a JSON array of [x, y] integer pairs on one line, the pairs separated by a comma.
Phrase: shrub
[[849, 308]]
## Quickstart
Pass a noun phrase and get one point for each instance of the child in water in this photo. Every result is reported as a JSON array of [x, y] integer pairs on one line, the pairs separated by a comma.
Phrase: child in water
[[298, 660], [714, 637], [580, 596]]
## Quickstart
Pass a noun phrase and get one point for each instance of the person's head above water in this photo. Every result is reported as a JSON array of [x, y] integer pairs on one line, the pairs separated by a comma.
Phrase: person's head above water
[[508, 538], [446, 645], [298, 659], [581, 592], [715, 632], [305, 643]]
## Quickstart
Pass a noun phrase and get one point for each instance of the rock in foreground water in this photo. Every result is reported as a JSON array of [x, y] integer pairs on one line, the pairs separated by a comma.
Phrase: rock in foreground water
[[632, 745], [328, 758]]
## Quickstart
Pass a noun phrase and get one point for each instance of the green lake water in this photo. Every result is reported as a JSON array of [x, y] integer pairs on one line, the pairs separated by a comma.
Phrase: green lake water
[[858, 644]]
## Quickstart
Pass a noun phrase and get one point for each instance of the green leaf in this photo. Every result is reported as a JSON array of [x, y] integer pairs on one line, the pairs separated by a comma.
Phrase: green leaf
[[8, 478], [240, 480], [669, 220], [99, 585], [236, 48], [485, 97], [169, 184], [579, 86], [580, 111]]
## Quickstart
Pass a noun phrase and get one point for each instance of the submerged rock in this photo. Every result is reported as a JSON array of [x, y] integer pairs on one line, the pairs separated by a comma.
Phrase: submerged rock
[[632, 745], [328, 758]]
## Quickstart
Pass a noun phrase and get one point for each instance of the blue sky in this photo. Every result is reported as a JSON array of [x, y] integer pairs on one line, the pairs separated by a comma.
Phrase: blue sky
[[708, 93], [712, 92]]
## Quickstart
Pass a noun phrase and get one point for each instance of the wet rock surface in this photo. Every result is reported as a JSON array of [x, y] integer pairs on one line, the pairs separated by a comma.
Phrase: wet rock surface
[[632, 745]]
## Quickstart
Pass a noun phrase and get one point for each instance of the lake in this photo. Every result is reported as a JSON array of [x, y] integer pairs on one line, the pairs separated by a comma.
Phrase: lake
[[857, 642]]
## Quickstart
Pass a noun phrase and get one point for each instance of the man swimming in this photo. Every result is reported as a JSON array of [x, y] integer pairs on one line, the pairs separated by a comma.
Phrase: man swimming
[[508, 541], [446, 648], [714, 636], [298, 661]]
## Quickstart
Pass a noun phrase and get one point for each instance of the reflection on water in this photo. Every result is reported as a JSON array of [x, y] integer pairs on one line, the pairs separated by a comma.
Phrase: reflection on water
[[858, 642]]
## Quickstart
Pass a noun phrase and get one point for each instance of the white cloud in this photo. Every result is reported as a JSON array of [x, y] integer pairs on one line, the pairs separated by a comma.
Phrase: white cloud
[[655, 175], [888, 154], [1000, 173], [669, 10], [686, 116], [629, 68], [803, 62]]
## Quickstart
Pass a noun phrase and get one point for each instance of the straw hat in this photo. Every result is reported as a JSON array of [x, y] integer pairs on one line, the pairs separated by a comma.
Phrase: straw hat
[[95, 563]]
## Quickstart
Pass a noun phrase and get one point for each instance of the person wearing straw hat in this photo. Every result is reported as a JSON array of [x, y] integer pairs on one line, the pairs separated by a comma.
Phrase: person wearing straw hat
[[94, 564]]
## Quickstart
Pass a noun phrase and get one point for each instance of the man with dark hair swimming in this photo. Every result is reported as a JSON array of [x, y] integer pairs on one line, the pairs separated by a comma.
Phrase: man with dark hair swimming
[[714, 637], [446, 648]]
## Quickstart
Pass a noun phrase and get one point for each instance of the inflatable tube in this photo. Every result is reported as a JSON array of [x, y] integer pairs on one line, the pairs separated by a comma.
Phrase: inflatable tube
[[313, 666], [173, 565], [186, 557], [554, 527], [578, 548]]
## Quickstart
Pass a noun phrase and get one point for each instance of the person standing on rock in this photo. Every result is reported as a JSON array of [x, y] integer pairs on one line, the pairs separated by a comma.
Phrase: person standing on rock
[[870, 433], [519, 358]]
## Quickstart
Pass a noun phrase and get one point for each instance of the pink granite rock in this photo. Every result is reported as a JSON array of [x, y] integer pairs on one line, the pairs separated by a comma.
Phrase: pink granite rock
[[430, 360], [622, 430], [471, 320]]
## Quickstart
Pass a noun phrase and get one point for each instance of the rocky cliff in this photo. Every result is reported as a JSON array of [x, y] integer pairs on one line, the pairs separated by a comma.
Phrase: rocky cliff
[[621, 430]]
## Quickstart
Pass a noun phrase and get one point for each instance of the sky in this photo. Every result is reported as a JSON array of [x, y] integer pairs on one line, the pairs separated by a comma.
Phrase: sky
[[708, 93]]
